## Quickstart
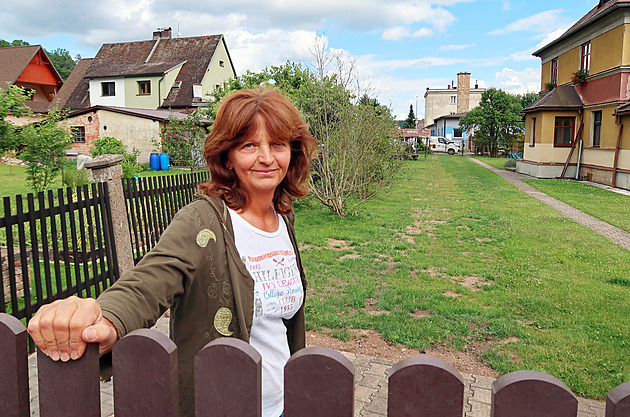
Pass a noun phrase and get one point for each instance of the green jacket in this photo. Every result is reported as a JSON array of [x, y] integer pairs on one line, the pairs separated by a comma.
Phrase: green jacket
[[196, 271]]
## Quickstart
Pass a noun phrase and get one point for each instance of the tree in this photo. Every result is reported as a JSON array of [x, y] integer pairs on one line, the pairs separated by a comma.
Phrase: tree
[[183, 140], [410, 122], [12, 101], [16, 42], [44, 151], [496, 122], [63, 62]]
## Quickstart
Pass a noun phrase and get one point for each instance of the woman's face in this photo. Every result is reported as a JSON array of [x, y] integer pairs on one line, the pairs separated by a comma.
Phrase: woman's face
[[260, 162]]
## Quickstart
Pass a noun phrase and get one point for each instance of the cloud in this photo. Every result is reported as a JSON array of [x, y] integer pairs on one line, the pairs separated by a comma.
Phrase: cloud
[[518, 82], [542, 22], [254, 52], [399, 32], [456, 47]]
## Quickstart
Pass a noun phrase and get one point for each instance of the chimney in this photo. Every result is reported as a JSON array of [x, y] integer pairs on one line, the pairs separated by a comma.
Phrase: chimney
[[463, 92], [164, 33]]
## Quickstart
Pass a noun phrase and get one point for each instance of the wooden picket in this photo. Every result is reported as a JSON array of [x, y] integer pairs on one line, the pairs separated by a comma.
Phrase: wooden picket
[[319, 382]]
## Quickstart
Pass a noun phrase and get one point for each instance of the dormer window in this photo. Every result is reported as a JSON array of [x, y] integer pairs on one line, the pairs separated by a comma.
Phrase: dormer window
[[585, 56], [108, 89], [144, 88]]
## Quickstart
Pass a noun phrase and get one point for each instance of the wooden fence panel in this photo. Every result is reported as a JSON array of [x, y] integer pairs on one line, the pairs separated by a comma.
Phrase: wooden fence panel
[[531, 393], [228, 379], [69, 389], [145, 375], [319, 382], [423, 386], [14, 398], [618, 401]]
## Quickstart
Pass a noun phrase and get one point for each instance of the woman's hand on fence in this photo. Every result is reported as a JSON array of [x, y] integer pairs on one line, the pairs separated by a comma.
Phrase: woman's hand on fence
[[63, 328]]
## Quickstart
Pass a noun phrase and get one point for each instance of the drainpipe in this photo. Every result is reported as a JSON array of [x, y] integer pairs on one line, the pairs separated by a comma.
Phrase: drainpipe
[[616, 158], [577, 171]]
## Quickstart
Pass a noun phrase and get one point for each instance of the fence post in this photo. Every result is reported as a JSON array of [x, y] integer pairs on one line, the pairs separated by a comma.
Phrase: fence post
[[145, 375], [618, 401], [228, 379], [14, 401], [69, 389], [423, 386], [107, 168], [531, 393], [318, 382]]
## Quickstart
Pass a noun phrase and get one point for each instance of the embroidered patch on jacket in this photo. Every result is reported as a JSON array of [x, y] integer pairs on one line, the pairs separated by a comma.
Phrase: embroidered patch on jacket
[[222, 320], [204, 236]]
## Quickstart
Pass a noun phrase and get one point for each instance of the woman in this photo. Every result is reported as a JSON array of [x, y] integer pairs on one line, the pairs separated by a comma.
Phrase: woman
[[228, 264]]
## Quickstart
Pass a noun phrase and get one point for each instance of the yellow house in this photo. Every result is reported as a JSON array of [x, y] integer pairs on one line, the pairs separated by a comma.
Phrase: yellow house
[[576, 129]]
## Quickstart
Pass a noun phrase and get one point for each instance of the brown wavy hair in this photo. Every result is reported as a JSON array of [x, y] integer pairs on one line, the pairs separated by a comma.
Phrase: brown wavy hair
[[235, 121]]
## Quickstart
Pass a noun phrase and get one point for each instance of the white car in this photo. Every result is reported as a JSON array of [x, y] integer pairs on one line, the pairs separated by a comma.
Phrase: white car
[[441, 144]]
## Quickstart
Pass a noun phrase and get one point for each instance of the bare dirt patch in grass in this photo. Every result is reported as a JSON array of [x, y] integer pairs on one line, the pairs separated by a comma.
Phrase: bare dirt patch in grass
[[338, 244], [432, 272], [421, 314], [370, 343], [350, 256], [472, 283], [451, 294], [372, 310]]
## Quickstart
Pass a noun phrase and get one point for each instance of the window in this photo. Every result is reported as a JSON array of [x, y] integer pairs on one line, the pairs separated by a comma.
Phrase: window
[[596, 117], [453, 99], [532, 132], [458, 132], [221, 63], [585, 56], [564, 131], [554, 71], [78, 134], [108, 88], [144, 88]]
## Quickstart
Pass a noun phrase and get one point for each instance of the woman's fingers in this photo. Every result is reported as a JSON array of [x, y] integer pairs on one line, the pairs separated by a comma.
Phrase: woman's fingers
[[61, 330], [87, 313], [57, 328], [103, 333], [40, 328]]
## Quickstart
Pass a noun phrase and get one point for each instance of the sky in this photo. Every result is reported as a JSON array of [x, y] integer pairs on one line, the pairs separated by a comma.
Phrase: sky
[[396, 48]]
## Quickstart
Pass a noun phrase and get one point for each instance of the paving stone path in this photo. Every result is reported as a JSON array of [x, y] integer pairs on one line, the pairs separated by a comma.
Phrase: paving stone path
[[610, 232], [371, 372]]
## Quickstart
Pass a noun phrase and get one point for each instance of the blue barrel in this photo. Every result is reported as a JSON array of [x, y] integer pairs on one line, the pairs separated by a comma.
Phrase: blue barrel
[[164, 162], [154, 161]]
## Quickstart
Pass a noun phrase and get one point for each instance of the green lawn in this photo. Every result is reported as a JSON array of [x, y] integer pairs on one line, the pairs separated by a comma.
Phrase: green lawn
[[606, 205], [454, 255], [14, 179], [498, 162]]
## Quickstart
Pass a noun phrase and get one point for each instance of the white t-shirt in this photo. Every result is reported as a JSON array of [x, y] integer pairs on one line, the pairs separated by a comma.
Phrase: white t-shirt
[[278, 294]]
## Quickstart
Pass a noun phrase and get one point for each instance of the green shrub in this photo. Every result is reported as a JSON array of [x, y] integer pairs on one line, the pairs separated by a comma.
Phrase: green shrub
[[109, 145], [510, 163], [73, 177]]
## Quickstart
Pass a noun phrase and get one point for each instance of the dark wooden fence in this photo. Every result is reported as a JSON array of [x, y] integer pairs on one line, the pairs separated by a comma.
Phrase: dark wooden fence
[[55, 244], [319, 382], [153, 201]]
